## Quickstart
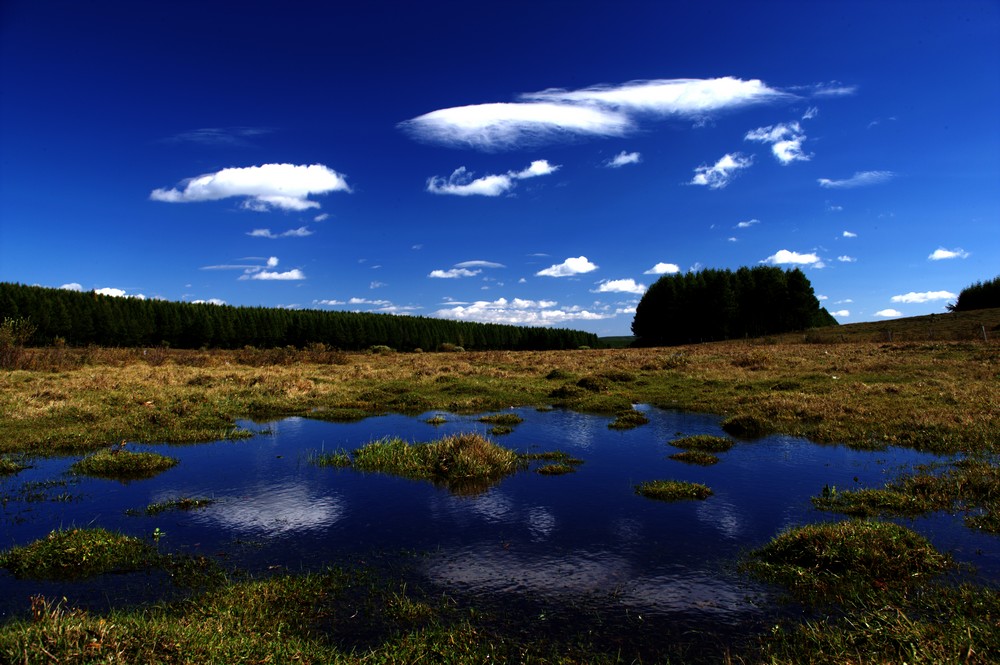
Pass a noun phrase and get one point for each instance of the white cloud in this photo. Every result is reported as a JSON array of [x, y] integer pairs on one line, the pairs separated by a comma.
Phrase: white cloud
[[847, 259], [926, 296], [719, 174], [747, 224], [600, 111], [300, 232], [329, 302], [623, 158], [810, 113], [210, 301], [571, 266], [833, 89], [461, 182], [479, 264], [784, 256], [888, 312], [265, 187], [366, 301], [859, 179], [454, 273], [941, 253], [72, 286], [841, 313], [321, 217], [518, 312], [289, 275], [620, 286], [118, 293], [663, 269], [848, 234], [785, 139]]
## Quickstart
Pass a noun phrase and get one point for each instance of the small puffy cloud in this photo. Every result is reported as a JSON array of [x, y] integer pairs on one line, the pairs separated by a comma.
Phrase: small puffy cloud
[[888, 313], [663, 269], [785, 139], [321, 217], [329, 303], [620, 286], [941, 254], [569, 267], [462, 183], [265, 187], [722, 172], [847, 259], [288, 275], [810, 113], [598, 111], [210, 301], [517, 312], [118, 293], [623, 159], [926, 296], [366, 301], [859, 179], [747, 224], [72, 286], [300, 232], [785, 257], [848, 234], [841, 313], [454, 273]]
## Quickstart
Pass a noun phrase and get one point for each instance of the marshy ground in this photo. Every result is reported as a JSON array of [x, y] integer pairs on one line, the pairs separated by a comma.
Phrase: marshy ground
[[929, 395]]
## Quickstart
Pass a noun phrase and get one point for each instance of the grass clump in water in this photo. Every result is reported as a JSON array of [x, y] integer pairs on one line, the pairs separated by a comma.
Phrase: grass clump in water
[[555, 469], [337, 459], [508, 419], [183, 503], [705, 443], [628, 420], [672, 490], [123, 464], [9, 467], [746, 426], [464, 463], [842, 559], [78, 553], [699, 457], [436, 420]]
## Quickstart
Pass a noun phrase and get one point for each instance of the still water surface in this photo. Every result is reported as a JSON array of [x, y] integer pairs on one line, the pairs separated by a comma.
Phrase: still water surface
[[584, 541]]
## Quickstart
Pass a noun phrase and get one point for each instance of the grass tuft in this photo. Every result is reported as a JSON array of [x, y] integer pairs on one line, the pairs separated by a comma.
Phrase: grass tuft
[[183, 503], [699, 457], [78, 553], [705, 443], [628, 420], [672, 490], [336, 459], [122, 464]]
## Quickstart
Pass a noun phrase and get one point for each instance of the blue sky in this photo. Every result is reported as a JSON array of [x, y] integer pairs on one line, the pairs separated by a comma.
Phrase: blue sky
[[534, 163]]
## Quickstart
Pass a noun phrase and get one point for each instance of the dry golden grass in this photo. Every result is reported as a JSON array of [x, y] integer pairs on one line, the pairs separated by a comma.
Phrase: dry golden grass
[[930, 395]]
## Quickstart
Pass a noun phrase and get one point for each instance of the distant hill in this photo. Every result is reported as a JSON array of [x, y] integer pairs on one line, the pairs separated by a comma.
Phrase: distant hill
[[948, 326]]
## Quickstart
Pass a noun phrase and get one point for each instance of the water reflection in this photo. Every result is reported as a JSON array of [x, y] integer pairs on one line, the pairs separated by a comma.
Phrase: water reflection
[[584, 540]]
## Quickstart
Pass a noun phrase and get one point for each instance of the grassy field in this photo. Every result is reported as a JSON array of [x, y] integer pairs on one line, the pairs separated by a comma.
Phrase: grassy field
[[929, 384]]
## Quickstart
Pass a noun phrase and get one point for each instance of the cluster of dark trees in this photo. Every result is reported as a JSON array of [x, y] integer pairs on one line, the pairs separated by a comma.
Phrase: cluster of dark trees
[[721, 304], [82, 318], [981, 295]]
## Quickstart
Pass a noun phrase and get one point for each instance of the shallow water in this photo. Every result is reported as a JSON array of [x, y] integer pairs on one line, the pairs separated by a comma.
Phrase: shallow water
[[554, 546]]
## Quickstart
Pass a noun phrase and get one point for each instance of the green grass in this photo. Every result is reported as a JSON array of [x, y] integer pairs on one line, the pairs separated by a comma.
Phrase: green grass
[[628, 420], [699, 457], [464, 463], [969, 485], [839, 559], [672, 490], [556, 469], [122, 464], [705, 443], [78, 553], [336, 459], [436, 420], [507, 419], [182, 503], [9, 467]]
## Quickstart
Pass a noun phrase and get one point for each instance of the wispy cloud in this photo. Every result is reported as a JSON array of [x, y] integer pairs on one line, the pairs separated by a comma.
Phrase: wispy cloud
[[479, 264], [888, 313], [833, 89], [722, 172], [569, 267], [926, 296], [265, 187], [518, 312], [623, 159], [859, 179], [601, 111], [462, 183], [941, 254], [215, 136], [847, 259], [849, 234], [453, 273], [785, 139], [300, 232], [663, 269], [270, 275], [620, 286], [260, 272], [786, 257], [747, 224]]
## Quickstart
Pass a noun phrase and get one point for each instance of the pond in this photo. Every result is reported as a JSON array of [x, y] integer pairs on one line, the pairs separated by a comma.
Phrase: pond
[[570, 548]]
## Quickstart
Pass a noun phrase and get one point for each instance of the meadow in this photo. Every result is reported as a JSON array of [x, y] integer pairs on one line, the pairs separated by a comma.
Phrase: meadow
[[899, 384]]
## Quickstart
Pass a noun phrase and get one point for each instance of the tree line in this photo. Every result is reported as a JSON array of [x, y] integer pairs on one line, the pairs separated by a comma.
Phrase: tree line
[[981, 295], [83, 318], [714, 304]]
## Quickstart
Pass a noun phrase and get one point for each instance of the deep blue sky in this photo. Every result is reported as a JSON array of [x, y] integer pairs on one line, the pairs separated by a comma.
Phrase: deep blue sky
[[398, 156]]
